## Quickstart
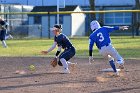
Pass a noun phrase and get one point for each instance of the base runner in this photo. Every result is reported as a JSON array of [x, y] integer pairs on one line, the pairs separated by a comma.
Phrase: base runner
[[101, 38]]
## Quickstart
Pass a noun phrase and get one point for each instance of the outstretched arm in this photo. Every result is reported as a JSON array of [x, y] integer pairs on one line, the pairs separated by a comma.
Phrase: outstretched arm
[[110, 29], [50, 49]]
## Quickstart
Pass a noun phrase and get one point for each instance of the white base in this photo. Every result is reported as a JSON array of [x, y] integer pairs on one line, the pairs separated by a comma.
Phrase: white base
[[109, 70]]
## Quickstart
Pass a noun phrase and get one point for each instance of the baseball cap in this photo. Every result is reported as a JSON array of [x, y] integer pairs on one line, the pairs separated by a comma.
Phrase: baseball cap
[[56, 26], [94, 25]]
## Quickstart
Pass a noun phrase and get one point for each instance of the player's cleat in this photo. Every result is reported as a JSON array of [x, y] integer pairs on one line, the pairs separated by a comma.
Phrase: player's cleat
[[121, 66], [5, 46], [117, 73], [10, 36], [66, 71]]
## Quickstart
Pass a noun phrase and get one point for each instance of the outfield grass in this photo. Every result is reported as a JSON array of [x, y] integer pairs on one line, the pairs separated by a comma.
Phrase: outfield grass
[[128, 47]]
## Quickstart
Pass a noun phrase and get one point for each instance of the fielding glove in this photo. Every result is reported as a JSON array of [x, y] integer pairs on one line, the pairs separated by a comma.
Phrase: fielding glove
[[54, 62]]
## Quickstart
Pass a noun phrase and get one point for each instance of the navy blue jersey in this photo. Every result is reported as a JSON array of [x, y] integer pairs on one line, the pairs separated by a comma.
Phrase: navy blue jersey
[[3, 25], [63, 41], [101, 37], [2, 22]]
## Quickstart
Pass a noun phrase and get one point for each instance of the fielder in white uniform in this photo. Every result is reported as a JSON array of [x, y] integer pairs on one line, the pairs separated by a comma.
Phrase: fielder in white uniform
[[101, 38]]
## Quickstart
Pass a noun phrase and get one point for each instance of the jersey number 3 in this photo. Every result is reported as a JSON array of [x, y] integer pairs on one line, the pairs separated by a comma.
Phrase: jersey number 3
[[101, 37]]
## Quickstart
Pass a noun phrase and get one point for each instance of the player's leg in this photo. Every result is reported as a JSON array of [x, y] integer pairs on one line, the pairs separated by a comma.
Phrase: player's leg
[[63, 62], [8, 36], [105, 54], [112, 64], [65, 65], [113, 52], [2, 35], [64, 57]]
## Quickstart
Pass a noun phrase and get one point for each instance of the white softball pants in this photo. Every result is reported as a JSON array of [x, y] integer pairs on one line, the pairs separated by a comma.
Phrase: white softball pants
[[107, 51]]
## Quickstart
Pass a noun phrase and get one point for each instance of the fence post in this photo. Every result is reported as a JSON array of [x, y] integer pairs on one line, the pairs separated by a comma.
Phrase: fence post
[[137, 23], [133, 24], [49, 25]]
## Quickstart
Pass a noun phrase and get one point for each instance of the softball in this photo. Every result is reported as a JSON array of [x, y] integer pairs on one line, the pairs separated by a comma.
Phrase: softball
[[32, 67]]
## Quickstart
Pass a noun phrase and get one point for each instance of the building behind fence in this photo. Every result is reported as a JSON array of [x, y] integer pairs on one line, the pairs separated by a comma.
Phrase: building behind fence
[[27, 26]]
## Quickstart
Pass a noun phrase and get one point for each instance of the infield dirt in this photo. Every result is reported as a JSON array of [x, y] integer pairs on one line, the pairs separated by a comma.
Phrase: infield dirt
[[84, 77]]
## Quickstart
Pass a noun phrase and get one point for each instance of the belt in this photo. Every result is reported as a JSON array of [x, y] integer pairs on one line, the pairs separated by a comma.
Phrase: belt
[[104, 45], [69, 47]]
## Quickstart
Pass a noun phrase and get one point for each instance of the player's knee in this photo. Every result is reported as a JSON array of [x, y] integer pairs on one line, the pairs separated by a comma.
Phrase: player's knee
[[110, 58], [120, 61], [59, 63]]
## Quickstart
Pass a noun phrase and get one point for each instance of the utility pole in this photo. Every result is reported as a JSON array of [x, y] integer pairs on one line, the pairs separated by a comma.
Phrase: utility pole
[[137, 24], [57, 11], [92, 8], [27, 2]]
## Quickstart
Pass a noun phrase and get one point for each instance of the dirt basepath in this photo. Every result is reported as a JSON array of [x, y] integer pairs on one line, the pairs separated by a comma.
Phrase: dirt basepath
[[84, 78]]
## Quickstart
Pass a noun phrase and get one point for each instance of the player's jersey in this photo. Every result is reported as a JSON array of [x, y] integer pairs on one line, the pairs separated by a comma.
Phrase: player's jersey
[[3, 25], [63, 41], [101, 37]]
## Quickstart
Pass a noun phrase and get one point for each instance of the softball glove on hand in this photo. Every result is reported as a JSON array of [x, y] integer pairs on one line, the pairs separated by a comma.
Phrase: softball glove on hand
[[54, 62]]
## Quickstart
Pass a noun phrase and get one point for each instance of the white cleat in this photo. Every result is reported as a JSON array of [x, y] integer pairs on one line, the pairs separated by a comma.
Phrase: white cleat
[[117, 74], [10, 36], [66, 71]]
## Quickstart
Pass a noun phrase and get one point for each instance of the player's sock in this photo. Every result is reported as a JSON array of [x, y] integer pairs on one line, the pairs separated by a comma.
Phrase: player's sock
[[64, 62], [112, 64], [4, 44]]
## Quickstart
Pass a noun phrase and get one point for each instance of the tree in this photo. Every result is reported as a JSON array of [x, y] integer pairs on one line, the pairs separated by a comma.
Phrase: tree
[[91, 16], [92, 8], [137, 6]]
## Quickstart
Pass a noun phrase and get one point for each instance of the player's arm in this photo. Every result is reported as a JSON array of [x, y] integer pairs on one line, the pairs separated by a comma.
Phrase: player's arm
[[91, 43], [58, 51], [110, 29], [50, 49]]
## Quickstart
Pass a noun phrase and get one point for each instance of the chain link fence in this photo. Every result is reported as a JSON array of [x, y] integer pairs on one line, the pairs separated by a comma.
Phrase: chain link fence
[[38, 25]]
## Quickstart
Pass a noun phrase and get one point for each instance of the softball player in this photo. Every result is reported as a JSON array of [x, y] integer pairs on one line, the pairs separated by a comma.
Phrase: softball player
[[101, 38], [3, 25], [62, 41]]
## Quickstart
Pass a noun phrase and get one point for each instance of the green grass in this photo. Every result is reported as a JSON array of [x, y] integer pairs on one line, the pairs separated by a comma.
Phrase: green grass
[[128, 47]]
